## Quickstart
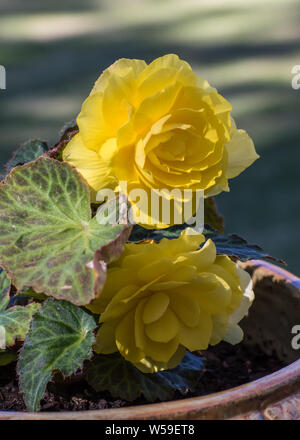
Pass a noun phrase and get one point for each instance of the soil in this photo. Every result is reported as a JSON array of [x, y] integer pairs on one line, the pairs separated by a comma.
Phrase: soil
[[226, 366]]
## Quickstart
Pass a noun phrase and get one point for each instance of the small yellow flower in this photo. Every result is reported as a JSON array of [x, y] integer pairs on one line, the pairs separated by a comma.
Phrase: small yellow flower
[[163, 298], [157, 126]]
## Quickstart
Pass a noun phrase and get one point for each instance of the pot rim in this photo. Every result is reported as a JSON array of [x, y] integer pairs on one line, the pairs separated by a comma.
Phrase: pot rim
[[232, 402]]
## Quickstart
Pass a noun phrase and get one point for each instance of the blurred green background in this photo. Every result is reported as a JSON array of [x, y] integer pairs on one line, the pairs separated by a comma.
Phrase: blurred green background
[[54, 51]]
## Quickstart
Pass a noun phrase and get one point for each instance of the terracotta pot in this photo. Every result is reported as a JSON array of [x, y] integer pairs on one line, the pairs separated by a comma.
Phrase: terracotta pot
[[276, 396]]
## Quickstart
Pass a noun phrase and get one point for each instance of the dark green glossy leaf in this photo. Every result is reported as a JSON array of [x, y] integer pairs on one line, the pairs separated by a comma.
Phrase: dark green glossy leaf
[[122, 379], [232, 245], [139, 233], [237, 247]]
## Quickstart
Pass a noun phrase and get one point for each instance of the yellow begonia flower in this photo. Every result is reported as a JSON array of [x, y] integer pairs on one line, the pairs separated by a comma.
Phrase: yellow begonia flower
[[163, 298], [157, 126]]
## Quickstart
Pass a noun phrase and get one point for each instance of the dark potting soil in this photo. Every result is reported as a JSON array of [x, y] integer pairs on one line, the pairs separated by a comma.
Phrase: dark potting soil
[[226, 366]]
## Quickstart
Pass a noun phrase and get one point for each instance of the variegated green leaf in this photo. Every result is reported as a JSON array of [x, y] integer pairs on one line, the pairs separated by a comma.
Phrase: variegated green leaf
[[4, 290], [27, 152], [61, 338], [48, 239], [16, 322]]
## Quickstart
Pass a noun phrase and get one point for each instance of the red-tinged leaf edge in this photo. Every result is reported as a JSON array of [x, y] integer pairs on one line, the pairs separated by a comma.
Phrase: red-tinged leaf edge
[[57, 150], [105, 255]]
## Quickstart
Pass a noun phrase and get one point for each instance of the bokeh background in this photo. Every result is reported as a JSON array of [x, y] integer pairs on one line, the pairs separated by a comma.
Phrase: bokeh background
[[54, 51]]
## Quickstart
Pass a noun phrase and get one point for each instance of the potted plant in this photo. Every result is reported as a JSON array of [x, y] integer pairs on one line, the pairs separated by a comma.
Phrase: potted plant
[[110, 293]]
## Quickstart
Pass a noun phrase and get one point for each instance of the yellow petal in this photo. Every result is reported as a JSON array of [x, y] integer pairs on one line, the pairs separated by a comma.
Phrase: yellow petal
[[117, 101], [120, 304], [220, 185], [105, 339], [116, 279], [215, 299], [182, 274], [167, 285], [194, 118], [191, 239], [123, 165], [176, 358], [220, 325], [155, 352], [186, 309], [202, 257], [196, 338], [164, 329], [234, 334], [161, 351], [228, 276], [153, 108], [96, 171], [139, 255], [139, 327], [125, 339], [218, 104], [241, 153], [155, 307], [155, 269], [91, 123], [225, 268], [247, 298], [210, 291], [144, 146], [148, 365], [126, 299], [162, 72], [119, 68], [108, 149]]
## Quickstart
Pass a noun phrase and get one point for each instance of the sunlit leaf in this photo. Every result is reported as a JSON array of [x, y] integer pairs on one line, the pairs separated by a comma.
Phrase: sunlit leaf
[[16, 321], [48, 238]]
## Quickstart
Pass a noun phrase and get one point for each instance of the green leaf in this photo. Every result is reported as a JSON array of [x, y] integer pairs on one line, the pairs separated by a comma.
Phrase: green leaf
[[6, 357], [237, 247], [4, 290], [67, 132], [16, 321], [139, 233], [232, 245], [211, 215], [27, 152], [61, 338], [48, 240], [123, 380], [67, 127], [28, 292]]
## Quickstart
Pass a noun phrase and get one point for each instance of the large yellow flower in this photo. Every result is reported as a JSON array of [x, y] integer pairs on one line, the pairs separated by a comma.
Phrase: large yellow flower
[[163, 298], [157, 126]]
